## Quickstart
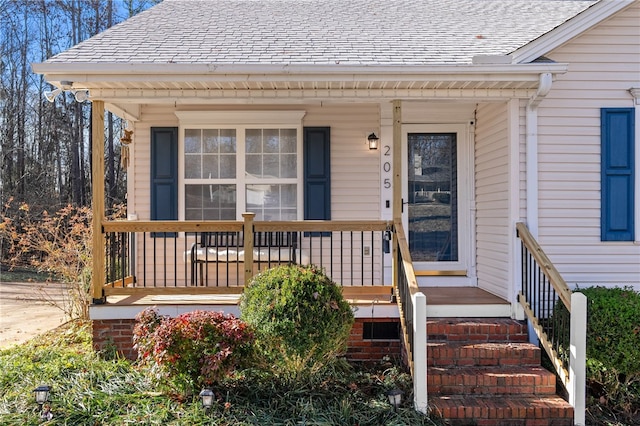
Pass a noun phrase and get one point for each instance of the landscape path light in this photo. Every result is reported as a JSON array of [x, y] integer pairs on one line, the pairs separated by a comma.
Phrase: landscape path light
[[42, 397], [206, 395], [395, 397]]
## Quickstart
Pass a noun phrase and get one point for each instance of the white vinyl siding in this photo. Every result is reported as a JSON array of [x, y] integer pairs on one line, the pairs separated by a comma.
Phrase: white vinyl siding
[[604, 65], [493, 227], [355, 170]]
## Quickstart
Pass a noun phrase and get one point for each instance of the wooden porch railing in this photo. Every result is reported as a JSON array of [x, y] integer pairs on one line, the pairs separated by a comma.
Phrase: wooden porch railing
[[154, 257], [544, 293], [412, 305]]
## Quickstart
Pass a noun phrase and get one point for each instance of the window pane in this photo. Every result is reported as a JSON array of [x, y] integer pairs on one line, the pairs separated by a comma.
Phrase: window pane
[[227, 141], [271, 138], [192, 141], [193, 196], [253, 141], [193, 214], [210, 202], [253, 165], [289, 166], [256, 195], [192, 166], [288, 214], [210, 167], [288, 140], [227, 166], [211, 141], [271, 166], [272, 202], [210, 214], [289, 195]]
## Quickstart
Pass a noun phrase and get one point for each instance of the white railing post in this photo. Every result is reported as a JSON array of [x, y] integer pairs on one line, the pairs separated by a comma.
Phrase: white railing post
[[420, 352], [578, 357]]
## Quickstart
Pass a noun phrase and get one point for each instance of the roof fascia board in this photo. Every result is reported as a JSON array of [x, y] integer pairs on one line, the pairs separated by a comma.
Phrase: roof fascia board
[[84, 72], [568, 30]]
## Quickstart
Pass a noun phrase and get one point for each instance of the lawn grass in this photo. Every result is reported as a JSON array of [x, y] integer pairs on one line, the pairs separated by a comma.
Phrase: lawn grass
[[95, 389], [24, 275]]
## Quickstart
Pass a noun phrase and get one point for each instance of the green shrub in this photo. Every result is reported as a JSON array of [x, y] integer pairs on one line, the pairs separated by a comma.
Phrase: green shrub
[[613, 347], [192, 350], [300, 318]]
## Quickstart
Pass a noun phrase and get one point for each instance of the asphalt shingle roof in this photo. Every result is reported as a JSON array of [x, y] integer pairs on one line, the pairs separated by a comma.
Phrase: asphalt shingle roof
[[313, 32]]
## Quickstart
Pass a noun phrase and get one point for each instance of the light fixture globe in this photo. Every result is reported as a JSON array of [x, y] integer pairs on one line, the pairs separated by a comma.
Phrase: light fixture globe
[[42, 394], [373, 140], [207, 395]]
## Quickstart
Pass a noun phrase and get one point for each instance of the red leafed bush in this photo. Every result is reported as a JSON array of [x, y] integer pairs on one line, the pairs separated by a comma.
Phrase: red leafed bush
[[194, 349]]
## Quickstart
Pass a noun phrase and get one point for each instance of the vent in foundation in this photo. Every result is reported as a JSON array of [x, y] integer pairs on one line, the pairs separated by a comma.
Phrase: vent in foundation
[[381, 330]]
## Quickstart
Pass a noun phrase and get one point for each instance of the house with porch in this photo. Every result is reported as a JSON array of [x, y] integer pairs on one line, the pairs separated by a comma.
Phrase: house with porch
[[457, 167]]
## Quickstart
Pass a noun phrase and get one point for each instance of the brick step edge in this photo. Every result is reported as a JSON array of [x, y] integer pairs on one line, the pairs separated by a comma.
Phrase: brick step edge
[[490, 381], [477, 329], [442, 354], [532, 409]]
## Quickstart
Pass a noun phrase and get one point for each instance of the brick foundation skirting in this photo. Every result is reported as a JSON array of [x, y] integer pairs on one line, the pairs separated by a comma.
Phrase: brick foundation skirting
[[118, 334]]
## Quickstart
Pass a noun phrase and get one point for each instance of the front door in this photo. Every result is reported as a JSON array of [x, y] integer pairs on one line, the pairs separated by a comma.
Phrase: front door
[[435, 200]]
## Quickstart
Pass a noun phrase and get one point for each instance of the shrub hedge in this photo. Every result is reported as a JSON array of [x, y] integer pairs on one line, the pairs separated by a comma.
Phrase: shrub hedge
[[192, 350], [300, 318], [613, 347]]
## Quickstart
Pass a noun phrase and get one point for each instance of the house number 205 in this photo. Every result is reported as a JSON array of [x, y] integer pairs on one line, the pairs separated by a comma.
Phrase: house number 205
[[386, 167]]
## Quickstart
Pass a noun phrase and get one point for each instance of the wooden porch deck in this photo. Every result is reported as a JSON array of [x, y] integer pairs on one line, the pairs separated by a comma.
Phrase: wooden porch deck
[[441, 301]]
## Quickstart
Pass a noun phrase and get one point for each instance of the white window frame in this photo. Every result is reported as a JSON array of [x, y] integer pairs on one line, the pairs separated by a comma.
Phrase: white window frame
[[240, 121]]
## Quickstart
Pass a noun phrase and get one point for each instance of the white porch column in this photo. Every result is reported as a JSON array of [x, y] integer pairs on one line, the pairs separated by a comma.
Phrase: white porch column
[[578, 357], [420, 353], [532, 151]]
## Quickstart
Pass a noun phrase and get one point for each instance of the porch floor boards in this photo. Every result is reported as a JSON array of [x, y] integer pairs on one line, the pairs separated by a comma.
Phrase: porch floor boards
[[460, 296]]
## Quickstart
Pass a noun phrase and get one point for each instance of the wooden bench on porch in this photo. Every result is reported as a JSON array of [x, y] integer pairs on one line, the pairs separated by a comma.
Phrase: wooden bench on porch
[[269, 248]]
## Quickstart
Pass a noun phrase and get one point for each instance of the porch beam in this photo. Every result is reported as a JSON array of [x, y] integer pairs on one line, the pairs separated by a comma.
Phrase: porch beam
[[98, 276], [258, 95]]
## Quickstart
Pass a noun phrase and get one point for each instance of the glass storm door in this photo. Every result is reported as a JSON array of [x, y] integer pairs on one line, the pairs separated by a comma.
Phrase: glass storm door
[[432, 197]]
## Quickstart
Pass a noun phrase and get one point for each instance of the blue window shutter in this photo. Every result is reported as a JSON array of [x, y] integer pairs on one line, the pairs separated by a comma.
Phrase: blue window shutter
[[617, 186], [164, 175], [317, 173]]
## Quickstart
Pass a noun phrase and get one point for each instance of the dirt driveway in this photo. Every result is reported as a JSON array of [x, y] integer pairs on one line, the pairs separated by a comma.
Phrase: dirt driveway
[[27, 309]]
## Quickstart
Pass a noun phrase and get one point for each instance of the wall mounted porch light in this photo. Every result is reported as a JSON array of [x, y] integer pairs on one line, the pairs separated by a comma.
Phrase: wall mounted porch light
[[373, 140]]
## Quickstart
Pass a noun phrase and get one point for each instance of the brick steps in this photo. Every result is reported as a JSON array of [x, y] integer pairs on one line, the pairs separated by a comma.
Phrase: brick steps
[[444, 354], [476, 330], [484, 372], [513, 411], [491, 380]]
